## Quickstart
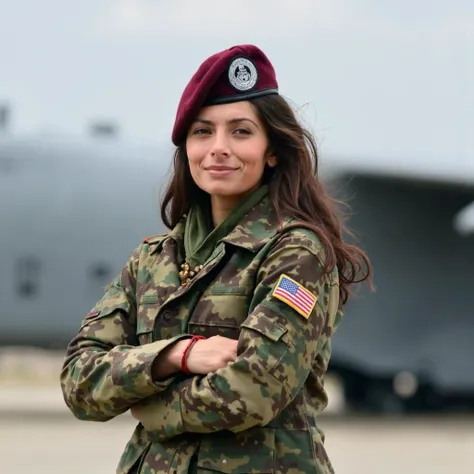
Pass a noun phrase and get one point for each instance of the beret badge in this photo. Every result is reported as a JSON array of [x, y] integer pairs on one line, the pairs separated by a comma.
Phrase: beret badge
[[243, 74]]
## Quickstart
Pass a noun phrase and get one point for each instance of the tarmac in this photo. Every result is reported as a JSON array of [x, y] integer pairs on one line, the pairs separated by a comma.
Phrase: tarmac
[[29, 381]]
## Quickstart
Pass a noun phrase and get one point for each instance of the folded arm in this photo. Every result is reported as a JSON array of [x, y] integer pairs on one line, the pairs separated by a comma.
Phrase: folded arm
[[106, 370], [277, 347]]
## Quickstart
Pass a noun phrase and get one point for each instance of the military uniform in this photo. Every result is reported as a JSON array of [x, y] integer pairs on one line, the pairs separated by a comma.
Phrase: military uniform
[[258, 414], [254, 279]]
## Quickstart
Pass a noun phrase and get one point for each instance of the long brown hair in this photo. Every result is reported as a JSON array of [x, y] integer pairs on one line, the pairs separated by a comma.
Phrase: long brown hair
[[295, 190]]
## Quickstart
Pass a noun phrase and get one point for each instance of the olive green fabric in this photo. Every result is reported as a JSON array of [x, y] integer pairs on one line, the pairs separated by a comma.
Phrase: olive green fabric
[[199, 237]]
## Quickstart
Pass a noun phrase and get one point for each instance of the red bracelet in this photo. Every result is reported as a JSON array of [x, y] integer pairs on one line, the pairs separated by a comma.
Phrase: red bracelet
[[184, 357]]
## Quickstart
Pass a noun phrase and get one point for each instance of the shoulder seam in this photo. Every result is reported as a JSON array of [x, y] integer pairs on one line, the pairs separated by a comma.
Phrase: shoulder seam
[[299, 234]]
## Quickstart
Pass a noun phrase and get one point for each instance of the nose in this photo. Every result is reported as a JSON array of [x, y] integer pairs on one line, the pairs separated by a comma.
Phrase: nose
[[220, 144]]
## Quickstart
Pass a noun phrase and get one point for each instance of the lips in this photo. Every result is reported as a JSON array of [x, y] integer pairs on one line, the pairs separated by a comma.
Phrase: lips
[[220, 168], [220, 171]]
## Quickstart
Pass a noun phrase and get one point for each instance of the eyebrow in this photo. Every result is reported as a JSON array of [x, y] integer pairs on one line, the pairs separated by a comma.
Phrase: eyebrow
[[232, 121]]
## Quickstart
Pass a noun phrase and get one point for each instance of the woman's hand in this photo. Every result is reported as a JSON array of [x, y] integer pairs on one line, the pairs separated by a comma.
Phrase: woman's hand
[[208, 355]]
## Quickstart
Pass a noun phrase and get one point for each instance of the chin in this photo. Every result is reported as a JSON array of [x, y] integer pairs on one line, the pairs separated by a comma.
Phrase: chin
[[227, 187], [223, 190]]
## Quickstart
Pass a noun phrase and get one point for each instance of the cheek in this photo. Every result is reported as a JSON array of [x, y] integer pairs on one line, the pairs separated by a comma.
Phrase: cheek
[[255, 165], [194, 160], [194, 170]]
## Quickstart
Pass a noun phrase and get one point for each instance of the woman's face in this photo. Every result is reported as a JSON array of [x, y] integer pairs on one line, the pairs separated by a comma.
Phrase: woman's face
[[227, 149]]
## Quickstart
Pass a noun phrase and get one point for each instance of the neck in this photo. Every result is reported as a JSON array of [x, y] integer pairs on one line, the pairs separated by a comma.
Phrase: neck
[[221, 207]]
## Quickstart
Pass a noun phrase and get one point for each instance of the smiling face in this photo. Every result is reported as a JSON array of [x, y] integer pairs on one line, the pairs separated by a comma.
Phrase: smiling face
[[227, 150]]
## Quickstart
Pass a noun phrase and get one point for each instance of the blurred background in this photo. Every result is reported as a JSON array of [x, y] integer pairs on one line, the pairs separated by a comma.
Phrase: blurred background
[[88, 94]]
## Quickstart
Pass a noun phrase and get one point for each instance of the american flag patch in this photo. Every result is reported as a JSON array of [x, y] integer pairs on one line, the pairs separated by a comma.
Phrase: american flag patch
[[295, 295]]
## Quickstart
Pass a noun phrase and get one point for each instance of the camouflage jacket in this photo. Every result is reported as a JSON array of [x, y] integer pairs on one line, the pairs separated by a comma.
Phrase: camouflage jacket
[[257, 414]]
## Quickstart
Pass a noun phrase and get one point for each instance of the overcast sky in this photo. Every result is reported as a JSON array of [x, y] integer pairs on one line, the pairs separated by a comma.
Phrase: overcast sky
[[375, 77]]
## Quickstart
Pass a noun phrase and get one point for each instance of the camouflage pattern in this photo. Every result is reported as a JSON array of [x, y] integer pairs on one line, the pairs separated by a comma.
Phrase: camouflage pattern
[[257, 414]]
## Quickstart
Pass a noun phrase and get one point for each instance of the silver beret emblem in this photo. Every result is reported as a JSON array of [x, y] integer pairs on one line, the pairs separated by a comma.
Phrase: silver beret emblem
[[243, 74]]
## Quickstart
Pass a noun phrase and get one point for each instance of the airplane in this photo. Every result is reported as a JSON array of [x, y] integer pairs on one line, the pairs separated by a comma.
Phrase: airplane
[[72, 211]]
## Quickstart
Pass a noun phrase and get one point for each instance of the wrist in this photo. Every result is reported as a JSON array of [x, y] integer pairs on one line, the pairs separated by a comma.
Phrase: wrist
[[184, 357], [176, 353]]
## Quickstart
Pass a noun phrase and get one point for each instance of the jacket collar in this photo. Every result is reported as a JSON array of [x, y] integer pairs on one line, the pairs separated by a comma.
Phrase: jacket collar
[[177, 234], [257, 227], [254, 231]]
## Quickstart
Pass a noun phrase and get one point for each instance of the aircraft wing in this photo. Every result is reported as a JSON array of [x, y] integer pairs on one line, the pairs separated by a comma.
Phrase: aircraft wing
[[458, 172]]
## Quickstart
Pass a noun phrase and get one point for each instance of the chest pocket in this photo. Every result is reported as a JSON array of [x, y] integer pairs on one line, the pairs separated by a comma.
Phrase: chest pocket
[[155, 322], [221, 311]]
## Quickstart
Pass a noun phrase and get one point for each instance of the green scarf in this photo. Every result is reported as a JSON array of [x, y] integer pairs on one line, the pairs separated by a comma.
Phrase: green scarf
[[200, 240]]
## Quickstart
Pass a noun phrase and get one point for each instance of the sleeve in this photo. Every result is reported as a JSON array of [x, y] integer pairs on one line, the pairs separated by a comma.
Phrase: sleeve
[[278, 343], [105, 370]]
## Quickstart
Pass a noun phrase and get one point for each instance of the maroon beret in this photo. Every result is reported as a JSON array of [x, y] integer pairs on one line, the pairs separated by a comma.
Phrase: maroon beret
[[238, 73]]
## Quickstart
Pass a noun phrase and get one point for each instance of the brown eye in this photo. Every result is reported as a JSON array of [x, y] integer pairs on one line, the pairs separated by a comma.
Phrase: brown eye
[[201, 131], [242, 131]]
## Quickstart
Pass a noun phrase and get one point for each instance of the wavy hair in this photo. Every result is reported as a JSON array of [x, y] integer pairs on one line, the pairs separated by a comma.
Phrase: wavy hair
[[295, 190]]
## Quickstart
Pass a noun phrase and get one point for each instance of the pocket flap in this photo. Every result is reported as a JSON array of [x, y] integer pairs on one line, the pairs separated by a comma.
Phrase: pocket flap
[[269, 327], [96, 313]]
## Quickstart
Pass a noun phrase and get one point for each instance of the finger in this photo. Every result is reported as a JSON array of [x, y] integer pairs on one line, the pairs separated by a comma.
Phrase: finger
[[230, 357]]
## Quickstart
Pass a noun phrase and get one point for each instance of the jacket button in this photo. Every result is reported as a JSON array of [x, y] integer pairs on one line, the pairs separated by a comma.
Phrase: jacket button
[[167, 315]]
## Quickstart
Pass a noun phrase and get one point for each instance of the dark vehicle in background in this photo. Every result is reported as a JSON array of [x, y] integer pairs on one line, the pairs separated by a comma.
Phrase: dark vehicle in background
[[71, 212]]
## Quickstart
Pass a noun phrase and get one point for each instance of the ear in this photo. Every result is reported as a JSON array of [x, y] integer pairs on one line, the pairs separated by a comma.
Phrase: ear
[[272, 161]]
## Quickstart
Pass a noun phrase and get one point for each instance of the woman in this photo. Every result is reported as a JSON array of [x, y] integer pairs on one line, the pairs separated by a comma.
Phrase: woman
[[217, 334]]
